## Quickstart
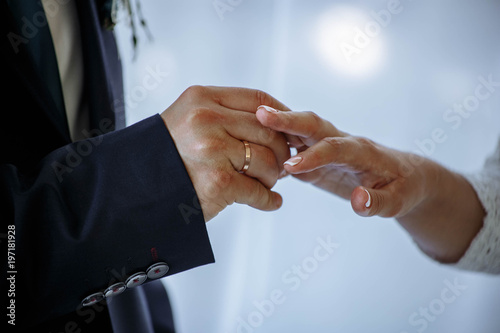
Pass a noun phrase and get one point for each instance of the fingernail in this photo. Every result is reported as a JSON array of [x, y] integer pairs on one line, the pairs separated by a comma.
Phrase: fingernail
[[368, 202], [268, 108], [294, 160]]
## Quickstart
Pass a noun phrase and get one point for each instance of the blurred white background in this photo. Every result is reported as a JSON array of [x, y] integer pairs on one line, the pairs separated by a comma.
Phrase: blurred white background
[[393, 82]]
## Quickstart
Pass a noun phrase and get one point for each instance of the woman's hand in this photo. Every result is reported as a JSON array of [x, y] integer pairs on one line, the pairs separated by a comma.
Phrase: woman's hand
[[352, 167], [437, 207]]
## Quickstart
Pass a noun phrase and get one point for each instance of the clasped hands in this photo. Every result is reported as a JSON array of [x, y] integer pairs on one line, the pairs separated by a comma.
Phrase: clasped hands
[[210, 124]]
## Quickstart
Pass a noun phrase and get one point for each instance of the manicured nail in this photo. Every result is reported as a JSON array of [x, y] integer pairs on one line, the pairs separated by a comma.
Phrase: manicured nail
[[368, 202], [268, 108], [294, 161]]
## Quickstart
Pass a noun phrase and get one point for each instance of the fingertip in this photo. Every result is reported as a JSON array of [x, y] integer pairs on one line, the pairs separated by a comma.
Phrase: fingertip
[[275, 201], [260, 113], [267, 108], [266, 118], [299, 164], [278, 200], [361, 201], [292, 162], [290, 170]]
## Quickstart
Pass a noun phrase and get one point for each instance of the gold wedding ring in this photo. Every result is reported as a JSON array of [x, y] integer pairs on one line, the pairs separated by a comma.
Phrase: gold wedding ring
[[248, 155]]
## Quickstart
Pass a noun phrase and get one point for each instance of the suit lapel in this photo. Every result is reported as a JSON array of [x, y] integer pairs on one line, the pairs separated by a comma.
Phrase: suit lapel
[[103, 78]]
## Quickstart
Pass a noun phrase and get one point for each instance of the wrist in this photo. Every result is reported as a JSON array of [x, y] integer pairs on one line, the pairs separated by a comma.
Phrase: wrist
[[447, 217]]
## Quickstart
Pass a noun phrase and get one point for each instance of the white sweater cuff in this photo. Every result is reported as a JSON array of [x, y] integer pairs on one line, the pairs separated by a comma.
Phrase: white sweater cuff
[[483, 254]]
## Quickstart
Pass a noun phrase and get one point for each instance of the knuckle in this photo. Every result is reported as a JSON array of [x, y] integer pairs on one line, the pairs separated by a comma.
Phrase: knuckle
[[219, 181], [334, 143], [263, 200], [366, 144], [210, 148], [201, 116], [222, 178], [263, 98], [316, 122], [194, 92], [313, 116]]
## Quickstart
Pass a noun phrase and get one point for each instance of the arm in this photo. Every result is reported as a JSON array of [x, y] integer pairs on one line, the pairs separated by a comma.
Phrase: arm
[[484, 252], [439, 208], [449, 215], [136, 196], [115, 214]]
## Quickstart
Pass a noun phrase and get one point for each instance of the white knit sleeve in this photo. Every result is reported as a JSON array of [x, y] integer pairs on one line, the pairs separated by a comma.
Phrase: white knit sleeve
[[483, 254]]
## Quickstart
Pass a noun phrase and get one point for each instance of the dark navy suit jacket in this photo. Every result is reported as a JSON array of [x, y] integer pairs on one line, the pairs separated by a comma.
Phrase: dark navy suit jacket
[[91, 213]]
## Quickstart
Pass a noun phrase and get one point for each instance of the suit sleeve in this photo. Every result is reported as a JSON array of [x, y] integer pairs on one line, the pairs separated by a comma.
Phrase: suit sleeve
[[97, 211]]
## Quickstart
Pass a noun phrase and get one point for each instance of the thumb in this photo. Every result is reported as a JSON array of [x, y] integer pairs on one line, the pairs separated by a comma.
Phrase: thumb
[[370, 202]]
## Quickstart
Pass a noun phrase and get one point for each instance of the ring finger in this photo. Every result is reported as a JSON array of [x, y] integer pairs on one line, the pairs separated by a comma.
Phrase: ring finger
[[262, 166]]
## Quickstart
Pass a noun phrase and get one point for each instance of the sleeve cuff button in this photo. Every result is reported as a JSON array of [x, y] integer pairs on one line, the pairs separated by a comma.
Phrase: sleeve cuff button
[[115, 289], [92, 299], [157, 270], [136, 280]]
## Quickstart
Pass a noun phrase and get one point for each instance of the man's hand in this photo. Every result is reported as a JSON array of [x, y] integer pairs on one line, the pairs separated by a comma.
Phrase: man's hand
[[208, 125]]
